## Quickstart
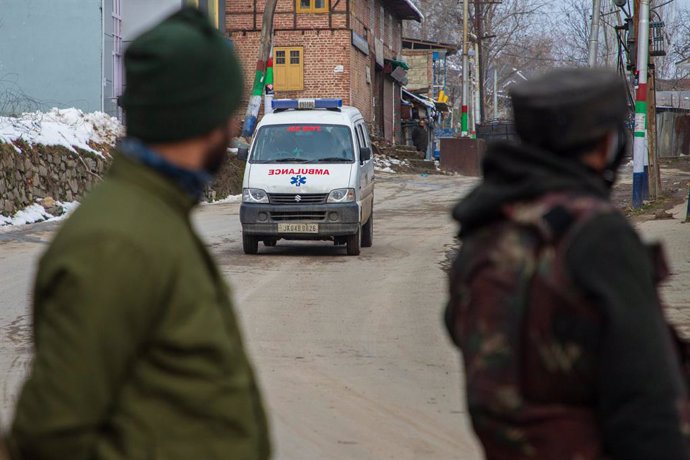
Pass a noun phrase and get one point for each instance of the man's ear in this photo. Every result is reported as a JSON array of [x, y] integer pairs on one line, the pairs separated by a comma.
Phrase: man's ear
[[598, 158], [614, 141], [218, 134]]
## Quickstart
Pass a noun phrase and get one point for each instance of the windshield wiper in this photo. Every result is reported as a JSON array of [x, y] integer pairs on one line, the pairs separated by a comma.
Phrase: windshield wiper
[[332, 160], [291, 160]]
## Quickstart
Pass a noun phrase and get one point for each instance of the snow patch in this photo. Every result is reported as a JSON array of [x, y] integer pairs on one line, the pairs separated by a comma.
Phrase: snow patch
[[229, 199], [385, 164], [36, 213], [70, 128]]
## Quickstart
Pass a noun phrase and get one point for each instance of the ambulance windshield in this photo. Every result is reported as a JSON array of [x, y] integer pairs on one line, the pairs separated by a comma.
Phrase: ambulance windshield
[[302, 143]]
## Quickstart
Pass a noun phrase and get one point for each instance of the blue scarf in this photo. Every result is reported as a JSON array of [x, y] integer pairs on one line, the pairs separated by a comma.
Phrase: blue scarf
[[192, 182]]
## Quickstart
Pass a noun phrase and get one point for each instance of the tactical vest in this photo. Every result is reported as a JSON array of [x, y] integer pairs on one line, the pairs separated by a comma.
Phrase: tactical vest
[[529, 336]]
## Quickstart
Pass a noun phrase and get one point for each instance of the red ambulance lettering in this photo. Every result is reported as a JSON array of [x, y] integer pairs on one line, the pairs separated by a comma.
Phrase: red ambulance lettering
[[300, 171]]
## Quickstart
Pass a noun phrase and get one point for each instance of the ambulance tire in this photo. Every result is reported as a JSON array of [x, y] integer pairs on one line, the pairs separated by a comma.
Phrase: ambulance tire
[[250, 244], [368, 233], [353, 243]]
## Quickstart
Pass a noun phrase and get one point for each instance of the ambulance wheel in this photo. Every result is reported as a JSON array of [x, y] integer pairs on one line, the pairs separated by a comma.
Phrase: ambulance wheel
[[250, 244], [368, 233], [353, 243]]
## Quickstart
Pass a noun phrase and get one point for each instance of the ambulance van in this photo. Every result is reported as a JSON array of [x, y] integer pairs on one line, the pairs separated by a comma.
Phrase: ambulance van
[[309, 176]]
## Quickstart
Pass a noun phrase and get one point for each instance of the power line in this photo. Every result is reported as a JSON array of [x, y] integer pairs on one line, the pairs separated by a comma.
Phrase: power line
[[503, 53]]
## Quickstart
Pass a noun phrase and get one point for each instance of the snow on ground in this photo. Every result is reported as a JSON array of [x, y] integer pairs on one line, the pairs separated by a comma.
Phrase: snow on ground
[[37, 213], [66, 127], [387, 164], [229, 199]]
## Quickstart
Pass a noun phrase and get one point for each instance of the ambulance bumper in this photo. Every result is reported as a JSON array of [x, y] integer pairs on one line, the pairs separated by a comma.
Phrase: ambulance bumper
[[330, 219]]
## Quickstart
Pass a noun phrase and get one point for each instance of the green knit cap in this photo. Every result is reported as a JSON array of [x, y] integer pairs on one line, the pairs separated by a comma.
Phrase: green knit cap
[[183, 79]]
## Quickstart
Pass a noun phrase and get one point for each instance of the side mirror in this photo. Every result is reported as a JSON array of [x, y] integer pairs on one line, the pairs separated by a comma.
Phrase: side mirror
[[243, 153], [364, 154]]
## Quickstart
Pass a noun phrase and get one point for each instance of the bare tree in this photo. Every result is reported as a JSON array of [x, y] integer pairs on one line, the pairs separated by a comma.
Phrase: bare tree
[[677, 35], [574, 30], [515, 39]]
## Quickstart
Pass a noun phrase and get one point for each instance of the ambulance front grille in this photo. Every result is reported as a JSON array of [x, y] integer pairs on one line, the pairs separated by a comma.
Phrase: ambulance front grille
[[297, 198], [283, 216]]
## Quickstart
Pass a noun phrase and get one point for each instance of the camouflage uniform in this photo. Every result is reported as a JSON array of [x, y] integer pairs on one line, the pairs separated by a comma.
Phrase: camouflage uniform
[[553, 303]]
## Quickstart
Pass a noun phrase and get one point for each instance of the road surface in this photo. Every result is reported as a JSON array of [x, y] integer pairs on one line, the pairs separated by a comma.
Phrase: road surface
[[350, 351]]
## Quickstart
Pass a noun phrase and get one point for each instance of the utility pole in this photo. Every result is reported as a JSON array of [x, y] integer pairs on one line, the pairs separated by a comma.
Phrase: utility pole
[[465, 67], [594, 33], [654, 175], [641, 100], [478, 13], [268, 95], [495, 93], [265, 44], [478, 110], [472, 111]]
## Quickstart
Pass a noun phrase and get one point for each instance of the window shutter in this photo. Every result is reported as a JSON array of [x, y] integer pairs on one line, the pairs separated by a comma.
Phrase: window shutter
[[288, 69], [280, 69], [312, 6], [295, 70]]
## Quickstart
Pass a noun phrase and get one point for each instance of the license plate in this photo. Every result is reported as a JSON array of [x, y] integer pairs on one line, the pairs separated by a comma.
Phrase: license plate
[[298, 228]]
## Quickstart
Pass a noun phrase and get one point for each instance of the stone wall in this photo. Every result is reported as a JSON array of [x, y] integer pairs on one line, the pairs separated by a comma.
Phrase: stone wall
[[229, 180], [55, 173], [37, 172]]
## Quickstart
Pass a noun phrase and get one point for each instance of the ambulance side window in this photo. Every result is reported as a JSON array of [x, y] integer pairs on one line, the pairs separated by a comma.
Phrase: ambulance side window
[[360, 137], [365, 134]]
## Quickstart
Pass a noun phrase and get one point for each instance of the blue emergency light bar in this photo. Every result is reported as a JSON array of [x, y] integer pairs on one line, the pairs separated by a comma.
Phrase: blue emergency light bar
[[306, 104]]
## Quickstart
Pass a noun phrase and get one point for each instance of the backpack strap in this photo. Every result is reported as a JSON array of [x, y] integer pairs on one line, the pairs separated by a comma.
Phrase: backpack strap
[[556, 215]]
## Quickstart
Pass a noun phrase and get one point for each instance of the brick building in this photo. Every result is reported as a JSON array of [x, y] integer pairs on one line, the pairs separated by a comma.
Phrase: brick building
[[348, 49]]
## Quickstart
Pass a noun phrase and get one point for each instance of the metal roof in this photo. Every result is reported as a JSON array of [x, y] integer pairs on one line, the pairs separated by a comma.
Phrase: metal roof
[[420, 99], [405, 9], [417, 44]]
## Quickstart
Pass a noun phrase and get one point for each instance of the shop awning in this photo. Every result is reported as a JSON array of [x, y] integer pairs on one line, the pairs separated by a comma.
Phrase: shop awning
[[417, 44], [442, 107], [428, 103], [405, 9]]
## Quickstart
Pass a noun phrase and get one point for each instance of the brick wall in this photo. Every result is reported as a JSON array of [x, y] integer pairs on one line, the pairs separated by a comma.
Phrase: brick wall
[[361, 85], [244, 15], [327, 43], [324, 50]]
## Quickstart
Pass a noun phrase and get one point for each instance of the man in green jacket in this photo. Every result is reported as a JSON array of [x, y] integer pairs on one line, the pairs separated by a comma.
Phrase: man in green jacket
[[138, 354]]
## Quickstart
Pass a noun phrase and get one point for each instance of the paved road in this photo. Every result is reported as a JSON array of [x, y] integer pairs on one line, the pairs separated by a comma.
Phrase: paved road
[[675, 235], [349, 350]]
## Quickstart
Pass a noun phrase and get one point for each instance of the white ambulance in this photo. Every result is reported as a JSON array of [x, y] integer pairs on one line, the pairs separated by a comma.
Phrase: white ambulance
[[309, 176]]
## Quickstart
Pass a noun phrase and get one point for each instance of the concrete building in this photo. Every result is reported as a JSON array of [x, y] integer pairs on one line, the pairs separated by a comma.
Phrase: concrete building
[[428, 65], [68, 53], [348, 49]]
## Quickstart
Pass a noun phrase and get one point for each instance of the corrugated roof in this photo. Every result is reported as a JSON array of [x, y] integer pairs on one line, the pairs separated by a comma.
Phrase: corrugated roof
[[420, 99], [405, 9], [418, 44]]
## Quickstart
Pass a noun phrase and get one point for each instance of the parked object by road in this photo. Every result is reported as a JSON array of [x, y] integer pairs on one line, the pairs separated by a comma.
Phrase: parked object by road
[[138, 353], [309, 176], [553, 297]]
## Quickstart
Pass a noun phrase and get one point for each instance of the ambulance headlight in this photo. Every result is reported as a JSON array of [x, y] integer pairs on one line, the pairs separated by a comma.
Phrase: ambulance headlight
[[342, 195], [254, 195]]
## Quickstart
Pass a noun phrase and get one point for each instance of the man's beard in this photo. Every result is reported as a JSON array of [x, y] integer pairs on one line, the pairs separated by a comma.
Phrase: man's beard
[[217, 155]]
